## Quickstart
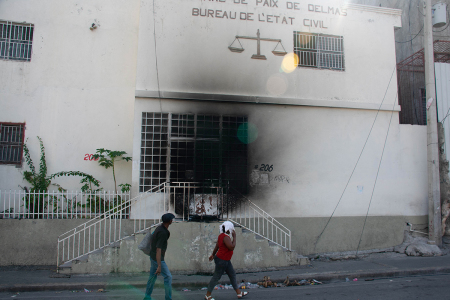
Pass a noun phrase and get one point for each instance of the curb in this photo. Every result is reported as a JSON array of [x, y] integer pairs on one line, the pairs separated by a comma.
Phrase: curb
[[327, 276], [140, 284]]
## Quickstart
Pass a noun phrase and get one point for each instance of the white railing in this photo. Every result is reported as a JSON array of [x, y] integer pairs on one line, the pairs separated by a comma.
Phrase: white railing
[[58, 205], [243, 212], [107, 228], [147, 208]]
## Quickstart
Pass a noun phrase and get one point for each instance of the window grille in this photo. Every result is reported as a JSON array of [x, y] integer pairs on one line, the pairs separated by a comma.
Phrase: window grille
[[200, 148], [319, 50], [16, 41], [11, 143]]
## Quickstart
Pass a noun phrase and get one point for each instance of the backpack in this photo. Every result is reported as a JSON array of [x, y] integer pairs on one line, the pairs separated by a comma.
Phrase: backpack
[[146, 244]]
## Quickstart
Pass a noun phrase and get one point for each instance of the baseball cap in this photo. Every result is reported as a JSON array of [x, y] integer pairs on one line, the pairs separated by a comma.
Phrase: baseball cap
[[167, 217]]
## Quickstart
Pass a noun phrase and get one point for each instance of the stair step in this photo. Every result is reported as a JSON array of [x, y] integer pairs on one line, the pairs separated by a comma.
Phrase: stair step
[[97, 251], [114, 245], [82, 258], [258, 237], [66, 265], [303, 260], [272, 244]]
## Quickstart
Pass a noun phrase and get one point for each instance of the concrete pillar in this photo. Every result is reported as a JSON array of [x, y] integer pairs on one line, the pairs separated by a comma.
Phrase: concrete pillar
[[434, 199]]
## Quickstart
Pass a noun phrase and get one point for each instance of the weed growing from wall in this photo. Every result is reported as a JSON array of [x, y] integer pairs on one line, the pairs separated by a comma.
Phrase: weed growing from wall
[[107, 159], [40, 181]]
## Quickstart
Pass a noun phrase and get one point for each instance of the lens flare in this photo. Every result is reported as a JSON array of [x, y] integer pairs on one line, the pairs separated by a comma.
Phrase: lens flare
[[247, 133], [289, 63], [277, 85]]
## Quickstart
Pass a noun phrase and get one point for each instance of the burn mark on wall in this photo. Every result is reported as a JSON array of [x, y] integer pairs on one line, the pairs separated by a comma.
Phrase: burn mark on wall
[[258, 177], [208, 149]]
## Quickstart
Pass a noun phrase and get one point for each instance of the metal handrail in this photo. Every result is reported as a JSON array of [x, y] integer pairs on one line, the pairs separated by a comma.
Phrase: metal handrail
[[106, 229], [101, 216], [263, 224], [76, 237]]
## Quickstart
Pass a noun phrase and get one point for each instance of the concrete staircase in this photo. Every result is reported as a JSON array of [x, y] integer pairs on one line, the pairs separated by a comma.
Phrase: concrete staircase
[[190, 245]]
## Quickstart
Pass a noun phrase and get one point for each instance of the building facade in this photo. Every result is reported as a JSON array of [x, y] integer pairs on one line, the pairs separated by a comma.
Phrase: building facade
[[290, 104]]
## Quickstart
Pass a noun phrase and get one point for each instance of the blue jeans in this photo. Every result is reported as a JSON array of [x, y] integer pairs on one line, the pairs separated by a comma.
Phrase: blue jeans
[[152, 279], [222, 266]]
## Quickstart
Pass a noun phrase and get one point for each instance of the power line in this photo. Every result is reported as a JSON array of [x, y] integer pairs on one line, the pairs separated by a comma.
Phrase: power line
[[412, 38], [156, 57], [376, 178], [354, 168]]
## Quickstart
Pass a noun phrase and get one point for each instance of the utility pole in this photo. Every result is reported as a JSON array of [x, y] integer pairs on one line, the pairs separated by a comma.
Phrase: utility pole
[[434, 195]]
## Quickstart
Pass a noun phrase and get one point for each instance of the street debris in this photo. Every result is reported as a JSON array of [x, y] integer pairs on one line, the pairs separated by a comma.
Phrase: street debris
[[267, 283], [185, 290], [242, 285], [355, 279], [86, 290], [248, 285], [417, 246], [288, 282], [100, 290]]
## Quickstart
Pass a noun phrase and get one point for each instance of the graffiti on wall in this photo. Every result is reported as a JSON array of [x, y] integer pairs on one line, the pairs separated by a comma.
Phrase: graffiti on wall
[[90, 157], [262, 175], [281, 178]]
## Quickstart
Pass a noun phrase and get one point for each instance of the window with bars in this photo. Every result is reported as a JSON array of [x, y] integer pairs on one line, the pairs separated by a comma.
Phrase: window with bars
[[197, 148], [16, 41], [320, 51], [11, 143]]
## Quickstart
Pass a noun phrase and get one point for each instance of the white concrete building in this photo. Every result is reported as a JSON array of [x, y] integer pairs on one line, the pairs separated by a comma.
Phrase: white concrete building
[[170, 83]]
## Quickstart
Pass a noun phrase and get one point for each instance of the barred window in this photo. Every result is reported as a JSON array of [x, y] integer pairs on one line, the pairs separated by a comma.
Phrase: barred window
[[209, 149], [11, 142], [320, 51], [16, 40]]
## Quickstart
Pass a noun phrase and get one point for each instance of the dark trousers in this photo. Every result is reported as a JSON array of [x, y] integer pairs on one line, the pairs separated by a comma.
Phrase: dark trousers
[[222, 266]]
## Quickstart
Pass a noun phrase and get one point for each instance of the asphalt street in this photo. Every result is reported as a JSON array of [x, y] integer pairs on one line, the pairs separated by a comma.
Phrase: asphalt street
[[411, 287]]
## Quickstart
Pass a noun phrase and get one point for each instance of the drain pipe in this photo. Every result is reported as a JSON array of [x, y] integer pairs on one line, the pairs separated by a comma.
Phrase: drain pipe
[[411, 230]]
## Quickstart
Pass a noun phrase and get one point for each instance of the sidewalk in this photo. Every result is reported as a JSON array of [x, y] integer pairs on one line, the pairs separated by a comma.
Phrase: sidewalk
[[375, 265]]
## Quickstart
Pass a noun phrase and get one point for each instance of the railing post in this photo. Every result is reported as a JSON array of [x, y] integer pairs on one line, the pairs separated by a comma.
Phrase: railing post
[[57, 257]]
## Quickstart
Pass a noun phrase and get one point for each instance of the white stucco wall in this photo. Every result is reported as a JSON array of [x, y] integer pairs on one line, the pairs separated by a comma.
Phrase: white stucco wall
[[193, 56], [314, 142], [314, 150], [77, 92], [84, 90]]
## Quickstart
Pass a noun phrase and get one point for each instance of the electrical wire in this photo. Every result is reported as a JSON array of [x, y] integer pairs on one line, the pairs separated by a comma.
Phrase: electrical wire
[[156, 57], [418, 9], [354, 168], [376, 177], [412, 38], [442, 121]]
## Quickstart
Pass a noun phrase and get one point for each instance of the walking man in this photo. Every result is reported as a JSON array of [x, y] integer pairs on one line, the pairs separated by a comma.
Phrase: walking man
[[158, 265]]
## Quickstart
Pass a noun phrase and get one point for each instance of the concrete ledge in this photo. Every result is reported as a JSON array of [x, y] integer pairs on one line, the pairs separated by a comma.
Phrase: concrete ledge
[[265, 100]]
